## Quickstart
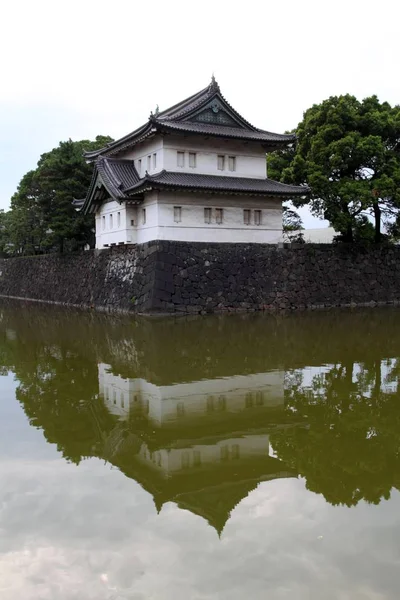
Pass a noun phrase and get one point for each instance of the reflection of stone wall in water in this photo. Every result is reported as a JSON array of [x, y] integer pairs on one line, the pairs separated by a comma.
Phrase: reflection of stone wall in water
[[189, 400], [194, 277]]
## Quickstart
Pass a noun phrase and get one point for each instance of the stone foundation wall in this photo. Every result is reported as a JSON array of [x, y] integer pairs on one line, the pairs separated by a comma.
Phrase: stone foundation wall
[[181, 277]]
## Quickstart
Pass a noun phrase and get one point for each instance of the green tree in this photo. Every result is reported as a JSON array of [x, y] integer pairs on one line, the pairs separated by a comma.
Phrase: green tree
[[349, 153], [42, 216]]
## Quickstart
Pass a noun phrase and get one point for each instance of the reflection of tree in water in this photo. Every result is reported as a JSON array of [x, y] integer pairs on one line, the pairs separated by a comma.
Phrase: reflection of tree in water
[[350, 449], [58, 389], [347, 449]]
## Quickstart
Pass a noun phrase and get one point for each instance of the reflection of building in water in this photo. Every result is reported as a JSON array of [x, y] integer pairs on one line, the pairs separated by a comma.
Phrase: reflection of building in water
[[165, 403], [192, 443], [208, 452]]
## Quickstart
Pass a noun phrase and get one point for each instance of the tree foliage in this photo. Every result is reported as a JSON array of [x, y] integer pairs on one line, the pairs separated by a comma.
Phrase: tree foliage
[[349, 450], [349, 153], [42, 217]]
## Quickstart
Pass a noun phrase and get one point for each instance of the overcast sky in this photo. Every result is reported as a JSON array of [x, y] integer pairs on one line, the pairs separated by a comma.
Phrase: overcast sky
[[82, 68]]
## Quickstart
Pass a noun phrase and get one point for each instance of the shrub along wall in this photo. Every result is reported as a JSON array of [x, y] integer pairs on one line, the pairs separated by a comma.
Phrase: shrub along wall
[[164, 276]]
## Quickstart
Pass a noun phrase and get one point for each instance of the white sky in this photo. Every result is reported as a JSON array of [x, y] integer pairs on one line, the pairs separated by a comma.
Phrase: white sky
[[81, 68]]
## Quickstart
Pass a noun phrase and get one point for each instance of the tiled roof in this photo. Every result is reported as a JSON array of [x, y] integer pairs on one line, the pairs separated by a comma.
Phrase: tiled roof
[[189, 116], [227, 132], [125, 142], [117, 175], [216, 183], [78, 203], [189, 104]]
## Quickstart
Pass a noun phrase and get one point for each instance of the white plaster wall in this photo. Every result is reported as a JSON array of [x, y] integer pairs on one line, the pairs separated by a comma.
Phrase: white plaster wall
[[148, 231], [192, 228], [141, 151], [122, 234], [250, 157]]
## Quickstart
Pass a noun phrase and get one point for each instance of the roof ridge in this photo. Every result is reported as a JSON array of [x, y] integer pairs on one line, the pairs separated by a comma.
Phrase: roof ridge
[[176, 115], [184, 102]]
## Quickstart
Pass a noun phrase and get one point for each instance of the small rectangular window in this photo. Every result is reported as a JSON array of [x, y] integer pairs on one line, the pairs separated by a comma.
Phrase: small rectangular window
[[235, 451], [143, 216], [132, 222], [221, 162], [224, 452], [118, 219], [111, 221], [104, 223], [155, 160], [232, 163], [177, 214], [185, 459], [139, 166], [149, 163], [246, 216], [192, 159], [196, 458], [219, 215], [207, 215], [257, 217], [180, 157]]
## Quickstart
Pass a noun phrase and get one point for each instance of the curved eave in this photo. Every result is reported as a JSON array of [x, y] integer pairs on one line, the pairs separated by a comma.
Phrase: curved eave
[[112, 185], [265, 138], [179, 115], [123, 143], [216, 185], [189, 107], [95, 194]]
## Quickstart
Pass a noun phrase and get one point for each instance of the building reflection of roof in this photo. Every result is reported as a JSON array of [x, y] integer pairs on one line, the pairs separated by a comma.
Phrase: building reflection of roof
[[211, 490]]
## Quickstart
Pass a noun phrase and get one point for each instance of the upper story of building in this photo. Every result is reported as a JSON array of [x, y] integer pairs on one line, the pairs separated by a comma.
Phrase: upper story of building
[[201, 144]]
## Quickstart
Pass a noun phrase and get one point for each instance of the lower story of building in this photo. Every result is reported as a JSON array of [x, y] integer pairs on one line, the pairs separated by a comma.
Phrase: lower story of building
[[190, 217]]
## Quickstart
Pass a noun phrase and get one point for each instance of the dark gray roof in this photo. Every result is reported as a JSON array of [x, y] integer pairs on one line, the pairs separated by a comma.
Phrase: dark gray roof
[[117, 175], [226, 131], [216, 183], [111, 178], [78, 203], [206, 113]]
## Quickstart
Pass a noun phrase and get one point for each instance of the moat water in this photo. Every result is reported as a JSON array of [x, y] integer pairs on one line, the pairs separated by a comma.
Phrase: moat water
[[221, 457]]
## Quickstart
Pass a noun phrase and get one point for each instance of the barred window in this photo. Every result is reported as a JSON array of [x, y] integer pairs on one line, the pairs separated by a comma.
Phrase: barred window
[[192, 159], [221, 162], [177, 214], [232, 163], [246, 216], [207, 215], [143, 216], [219, 214], [180, 158], [155, 160], [257, 217]]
